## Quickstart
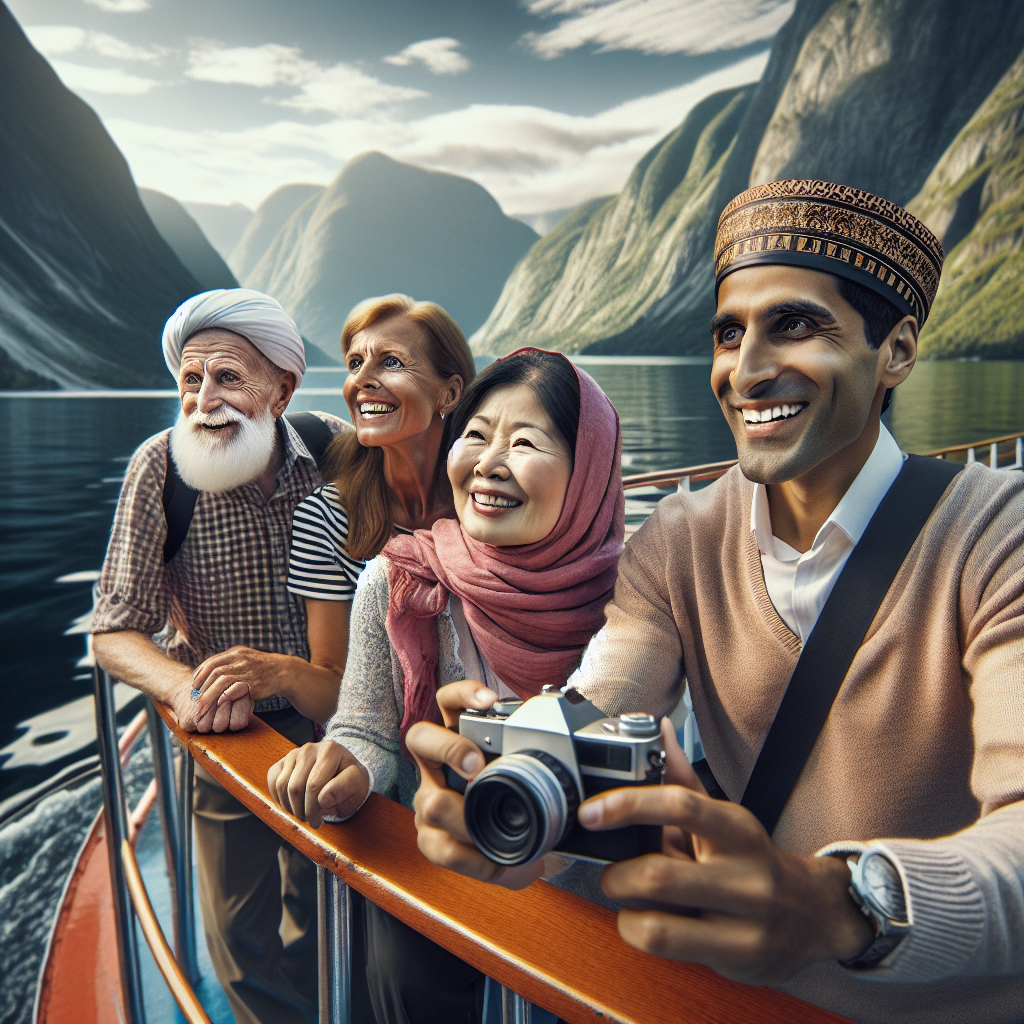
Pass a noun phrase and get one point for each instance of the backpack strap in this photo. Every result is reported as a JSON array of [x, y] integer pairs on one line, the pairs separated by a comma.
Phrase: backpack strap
[[179, 502], [840, 631], [179, 499], [315, 434]]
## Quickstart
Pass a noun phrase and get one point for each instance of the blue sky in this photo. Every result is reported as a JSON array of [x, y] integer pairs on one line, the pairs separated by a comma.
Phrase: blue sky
[[547, 103]]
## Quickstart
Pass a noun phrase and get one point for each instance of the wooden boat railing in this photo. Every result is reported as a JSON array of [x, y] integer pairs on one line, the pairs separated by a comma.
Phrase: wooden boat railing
[[583, 972], [542, 945]]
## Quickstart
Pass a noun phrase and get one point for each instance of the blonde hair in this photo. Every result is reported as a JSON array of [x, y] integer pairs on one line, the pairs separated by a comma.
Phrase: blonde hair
[[357, 471]]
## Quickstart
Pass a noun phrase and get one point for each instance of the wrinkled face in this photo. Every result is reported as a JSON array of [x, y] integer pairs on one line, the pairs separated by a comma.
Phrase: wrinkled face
[[393, 391], [509, 470], [221, 369], [792, 370]]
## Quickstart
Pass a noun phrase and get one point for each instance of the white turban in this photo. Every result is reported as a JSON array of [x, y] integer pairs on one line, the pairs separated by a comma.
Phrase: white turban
[[256, 317]]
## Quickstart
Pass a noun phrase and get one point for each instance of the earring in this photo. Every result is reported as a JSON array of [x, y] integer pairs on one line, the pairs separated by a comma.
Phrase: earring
[[442, 415]]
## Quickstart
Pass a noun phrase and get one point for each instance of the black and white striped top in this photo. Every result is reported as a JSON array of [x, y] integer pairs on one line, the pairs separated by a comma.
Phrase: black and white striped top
[[320, 566]]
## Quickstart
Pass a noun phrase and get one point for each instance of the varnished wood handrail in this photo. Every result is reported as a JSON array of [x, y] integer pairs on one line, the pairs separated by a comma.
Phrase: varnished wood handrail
[[559, 951], [173, 977], [713, 470]]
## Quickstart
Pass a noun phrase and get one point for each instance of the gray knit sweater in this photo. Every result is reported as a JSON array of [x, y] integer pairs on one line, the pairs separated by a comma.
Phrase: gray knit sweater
[[372, 693]]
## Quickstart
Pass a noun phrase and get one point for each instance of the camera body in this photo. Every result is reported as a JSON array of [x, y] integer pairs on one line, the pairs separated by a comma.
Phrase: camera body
[[545, 756]]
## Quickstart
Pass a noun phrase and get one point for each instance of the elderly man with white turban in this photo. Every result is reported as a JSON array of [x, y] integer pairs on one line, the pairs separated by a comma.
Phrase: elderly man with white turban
[[192, 600]]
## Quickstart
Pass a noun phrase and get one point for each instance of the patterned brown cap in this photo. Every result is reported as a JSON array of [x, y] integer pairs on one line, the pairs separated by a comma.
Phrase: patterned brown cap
[[835, 228]]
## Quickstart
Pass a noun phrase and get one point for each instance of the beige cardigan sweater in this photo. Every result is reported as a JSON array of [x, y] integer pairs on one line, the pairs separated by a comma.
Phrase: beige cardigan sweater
[[923, 748]]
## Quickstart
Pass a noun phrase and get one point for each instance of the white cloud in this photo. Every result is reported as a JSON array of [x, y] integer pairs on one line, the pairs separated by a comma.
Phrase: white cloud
[[530, 158], [656, 26], [342, 89], [57, 40], [121, 6], [441, 56], [107, 80]]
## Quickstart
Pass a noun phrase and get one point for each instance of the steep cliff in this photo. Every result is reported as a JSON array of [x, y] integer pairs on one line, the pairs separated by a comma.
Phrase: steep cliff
[[383, 226], [866, 92], [974, 202], [187, 240], [270, 216], [86, 281]]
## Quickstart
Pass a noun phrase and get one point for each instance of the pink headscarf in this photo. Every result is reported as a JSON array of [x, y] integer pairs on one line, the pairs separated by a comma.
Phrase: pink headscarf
[[532, 609]]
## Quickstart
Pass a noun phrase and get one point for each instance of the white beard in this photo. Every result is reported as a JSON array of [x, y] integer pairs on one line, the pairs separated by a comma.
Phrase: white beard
[[212, 462]]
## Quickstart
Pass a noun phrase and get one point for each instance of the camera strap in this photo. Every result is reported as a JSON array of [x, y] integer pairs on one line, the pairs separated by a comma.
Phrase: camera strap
[[839, 632]]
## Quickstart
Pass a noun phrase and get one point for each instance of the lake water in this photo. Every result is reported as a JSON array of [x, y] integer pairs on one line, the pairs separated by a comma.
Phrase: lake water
[[61, 463]]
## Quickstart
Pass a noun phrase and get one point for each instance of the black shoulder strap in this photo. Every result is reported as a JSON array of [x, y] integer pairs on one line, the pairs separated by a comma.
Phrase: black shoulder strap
[[179, 504], [179, 499], [315, 434], [840, 630]]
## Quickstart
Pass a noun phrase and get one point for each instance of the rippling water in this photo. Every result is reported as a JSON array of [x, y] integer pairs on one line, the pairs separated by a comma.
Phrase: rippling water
[[61, 463]]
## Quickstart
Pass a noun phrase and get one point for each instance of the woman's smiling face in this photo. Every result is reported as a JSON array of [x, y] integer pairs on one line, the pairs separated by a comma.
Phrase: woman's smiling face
[[509, 470], [392, 390]]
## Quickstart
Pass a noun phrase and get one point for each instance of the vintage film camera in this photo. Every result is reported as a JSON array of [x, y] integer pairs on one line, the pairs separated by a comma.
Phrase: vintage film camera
[[545, 756]]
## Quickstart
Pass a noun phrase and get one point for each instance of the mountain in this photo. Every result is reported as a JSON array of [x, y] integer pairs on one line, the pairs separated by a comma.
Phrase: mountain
[[870, 93], [222, 225], [382, 226], [187, 240], [974, 202], [86, 281], [270, 216]]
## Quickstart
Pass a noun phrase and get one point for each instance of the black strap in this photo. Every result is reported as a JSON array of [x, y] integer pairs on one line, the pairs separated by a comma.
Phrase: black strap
[[315, 434], [179, 499], [840, 630]]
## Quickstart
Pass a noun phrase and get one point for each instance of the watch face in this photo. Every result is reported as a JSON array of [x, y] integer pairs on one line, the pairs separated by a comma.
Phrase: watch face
[[882, 881]]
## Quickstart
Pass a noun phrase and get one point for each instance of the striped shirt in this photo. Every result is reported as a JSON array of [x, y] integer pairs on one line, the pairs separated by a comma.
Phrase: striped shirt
[[320, 566], [226, 585]]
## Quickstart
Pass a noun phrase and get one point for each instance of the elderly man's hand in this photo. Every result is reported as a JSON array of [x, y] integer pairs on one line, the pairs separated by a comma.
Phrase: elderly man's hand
[[236, 673], [317, 779], [231, 715], [440, 827], [761, 913]]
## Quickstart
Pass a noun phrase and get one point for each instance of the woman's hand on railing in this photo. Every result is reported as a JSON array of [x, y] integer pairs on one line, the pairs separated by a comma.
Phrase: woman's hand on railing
[[239, 672], [317, 779], [440, 827]]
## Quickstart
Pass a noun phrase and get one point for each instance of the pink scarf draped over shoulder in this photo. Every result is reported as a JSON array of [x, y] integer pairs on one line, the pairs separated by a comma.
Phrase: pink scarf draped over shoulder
[[531, 609]]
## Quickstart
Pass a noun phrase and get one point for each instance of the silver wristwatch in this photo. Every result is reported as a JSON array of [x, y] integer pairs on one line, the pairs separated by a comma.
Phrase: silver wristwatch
[[877, 889]]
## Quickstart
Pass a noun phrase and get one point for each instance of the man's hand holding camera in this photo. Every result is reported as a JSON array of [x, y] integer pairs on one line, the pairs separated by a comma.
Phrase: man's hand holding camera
[[440, 824], [747, 909]]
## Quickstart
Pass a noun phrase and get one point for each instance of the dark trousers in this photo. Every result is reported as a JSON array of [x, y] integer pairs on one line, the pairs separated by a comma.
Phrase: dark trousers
[[413, 980]]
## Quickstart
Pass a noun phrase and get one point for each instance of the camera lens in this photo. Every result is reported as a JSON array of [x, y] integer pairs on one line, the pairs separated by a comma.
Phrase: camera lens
[[520, 806]]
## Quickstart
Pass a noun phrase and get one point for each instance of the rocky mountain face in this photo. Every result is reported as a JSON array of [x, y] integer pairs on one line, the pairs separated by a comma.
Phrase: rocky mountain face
[[222, 225], [86, 280], [383, 226], [270, 216], [187, 240], [974, 202], [870, 93]]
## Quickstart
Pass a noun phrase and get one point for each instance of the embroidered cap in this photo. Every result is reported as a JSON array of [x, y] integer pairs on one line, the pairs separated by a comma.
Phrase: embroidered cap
[[835, 228]]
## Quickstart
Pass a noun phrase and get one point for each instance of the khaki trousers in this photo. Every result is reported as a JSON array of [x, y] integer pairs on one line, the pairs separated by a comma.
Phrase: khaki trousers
[[258, 901]]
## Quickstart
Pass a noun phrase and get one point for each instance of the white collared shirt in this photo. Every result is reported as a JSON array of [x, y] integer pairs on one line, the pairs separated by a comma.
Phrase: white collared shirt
[[799, 584]]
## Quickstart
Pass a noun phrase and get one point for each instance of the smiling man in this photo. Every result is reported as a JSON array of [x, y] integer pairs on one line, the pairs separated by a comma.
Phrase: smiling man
[[891, 886], [197, 602]]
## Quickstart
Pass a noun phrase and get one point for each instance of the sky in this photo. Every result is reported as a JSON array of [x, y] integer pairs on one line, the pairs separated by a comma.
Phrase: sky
[[546, 103]]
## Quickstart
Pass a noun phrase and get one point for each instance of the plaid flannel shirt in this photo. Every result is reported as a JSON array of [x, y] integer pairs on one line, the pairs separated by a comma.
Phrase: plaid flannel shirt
[[227, 585]]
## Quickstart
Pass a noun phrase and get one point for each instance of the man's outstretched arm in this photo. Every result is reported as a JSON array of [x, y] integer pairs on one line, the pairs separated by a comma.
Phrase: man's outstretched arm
[[133, 658]]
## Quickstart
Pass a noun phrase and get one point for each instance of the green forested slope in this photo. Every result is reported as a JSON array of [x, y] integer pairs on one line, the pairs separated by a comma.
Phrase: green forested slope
[[974, 201]]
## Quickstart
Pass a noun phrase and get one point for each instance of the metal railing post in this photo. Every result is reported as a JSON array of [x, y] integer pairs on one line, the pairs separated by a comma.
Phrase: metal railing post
[[334, 952], [993, 456], [186, 902], [514, 1008], [115, 817], [170, 820]]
